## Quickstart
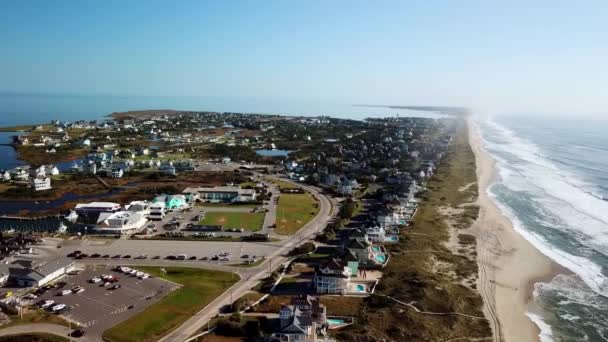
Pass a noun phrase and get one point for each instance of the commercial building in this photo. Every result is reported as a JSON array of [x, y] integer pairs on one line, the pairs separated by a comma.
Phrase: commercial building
[[121, 223], [27, 273], [225, 194]]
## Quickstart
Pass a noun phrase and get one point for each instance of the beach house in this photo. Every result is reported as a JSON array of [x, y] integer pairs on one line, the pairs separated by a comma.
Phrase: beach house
[[305, 319]]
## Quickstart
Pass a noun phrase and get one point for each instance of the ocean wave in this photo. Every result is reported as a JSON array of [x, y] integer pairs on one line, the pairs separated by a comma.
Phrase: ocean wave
[[558, 195], [546, 333]]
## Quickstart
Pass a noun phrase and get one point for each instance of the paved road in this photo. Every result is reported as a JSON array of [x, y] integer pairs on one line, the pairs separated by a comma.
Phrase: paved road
[[251, 277], [54, 329]]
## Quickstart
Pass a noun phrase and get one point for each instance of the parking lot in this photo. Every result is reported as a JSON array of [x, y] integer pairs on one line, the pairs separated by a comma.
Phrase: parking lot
[[99, 307]]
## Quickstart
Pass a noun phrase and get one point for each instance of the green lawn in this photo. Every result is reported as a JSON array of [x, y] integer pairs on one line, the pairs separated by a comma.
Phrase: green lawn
[[294, 211], [199, 288], [227, 205], [248, 221]]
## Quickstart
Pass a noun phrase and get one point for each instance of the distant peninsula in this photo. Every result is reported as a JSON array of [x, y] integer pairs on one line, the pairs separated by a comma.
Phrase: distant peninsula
[[450, 110]]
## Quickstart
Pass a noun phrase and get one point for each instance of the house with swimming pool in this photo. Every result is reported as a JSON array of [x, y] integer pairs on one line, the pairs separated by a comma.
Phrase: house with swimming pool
[[378, 234], [368, 255], [344, 278], [305, 320]]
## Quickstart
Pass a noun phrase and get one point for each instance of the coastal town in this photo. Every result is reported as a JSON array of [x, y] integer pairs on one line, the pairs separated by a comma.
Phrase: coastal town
[[196, 226]]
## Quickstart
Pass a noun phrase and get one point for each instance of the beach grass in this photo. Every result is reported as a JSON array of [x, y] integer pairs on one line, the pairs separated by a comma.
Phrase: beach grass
[[248, 221], [199, 288], [424, 271], [294, 211]]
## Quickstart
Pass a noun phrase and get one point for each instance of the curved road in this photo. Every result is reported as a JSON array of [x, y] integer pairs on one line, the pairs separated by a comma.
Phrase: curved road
[[47, 328], [252, 276]]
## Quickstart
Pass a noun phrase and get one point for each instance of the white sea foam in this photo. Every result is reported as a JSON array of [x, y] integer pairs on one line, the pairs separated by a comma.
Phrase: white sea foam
[[558, 199], [546, 333]]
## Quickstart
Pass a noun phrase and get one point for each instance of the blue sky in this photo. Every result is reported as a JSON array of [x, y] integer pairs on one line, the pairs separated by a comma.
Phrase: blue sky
[[515, 55]]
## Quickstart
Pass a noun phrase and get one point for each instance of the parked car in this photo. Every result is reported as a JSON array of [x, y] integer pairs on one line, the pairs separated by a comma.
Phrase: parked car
[[47, 303], [115, 287], [77, 333], [57, 307], [65, 292]]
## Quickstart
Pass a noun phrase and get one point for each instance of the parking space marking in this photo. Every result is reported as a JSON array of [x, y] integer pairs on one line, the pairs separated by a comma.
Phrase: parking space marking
[[99, 302]]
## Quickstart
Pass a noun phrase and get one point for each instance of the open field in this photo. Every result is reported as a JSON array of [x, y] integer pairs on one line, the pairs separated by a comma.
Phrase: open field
[[426, 270], [33, 337], [248, 221], [199, 288], [225, 205], [294, 211]]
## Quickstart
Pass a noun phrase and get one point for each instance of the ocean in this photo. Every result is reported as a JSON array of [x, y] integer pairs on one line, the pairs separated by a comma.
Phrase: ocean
[[29, 109], [553, 185]]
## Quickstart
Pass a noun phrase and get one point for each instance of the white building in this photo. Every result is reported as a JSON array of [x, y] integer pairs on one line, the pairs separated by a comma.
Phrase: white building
[[117, 172], [6, 176], [41, 183], [121, 223], [157, 211], [378, 235]]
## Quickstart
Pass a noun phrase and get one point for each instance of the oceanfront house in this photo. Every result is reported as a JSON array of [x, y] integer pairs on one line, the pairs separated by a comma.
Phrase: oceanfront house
[[332, 278], [41, 183], [121, 223], [226, 194], [369, 256], [27, 273], [6, 176], [304, 320], [379, 235]]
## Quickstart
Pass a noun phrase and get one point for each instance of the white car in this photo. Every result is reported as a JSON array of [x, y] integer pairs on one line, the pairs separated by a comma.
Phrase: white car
[[139, 274], [30, 296], [144, 276], [47, 303], [224, 254], [66, 292], [58, 307], [95, 280], [78, 289], [225, 258], [133, 272]]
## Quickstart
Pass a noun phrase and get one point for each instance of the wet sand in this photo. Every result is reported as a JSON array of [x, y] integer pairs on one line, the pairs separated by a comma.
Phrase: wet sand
[[509, 265]]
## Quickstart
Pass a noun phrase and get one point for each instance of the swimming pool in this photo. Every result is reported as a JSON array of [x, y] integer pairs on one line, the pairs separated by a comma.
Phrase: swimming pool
[[381, 258], [393, 238], [376, 248], [360, 288], [335, 321]]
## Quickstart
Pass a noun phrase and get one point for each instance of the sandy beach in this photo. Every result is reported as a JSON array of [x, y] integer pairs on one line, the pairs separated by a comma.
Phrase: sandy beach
[[508, 264]]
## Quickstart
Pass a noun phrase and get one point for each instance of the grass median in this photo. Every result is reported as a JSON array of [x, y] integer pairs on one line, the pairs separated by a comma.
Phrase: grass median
[[33, 337], [294, 211], [199, 288]]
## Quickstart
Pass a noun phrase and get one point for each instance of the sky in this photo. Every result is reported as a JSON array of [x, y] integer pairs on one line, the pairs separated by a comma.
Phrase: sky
[[513, 55]]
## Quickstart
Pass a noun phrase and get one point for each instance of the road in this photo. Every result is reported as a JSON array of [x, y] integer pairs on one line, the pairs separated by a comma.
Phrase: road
[[253, 275]]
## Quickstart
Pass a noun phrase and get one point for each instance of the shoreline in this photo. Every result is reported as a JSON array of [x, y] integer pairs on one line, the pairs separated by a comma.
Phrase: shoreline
[[509, 265]]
